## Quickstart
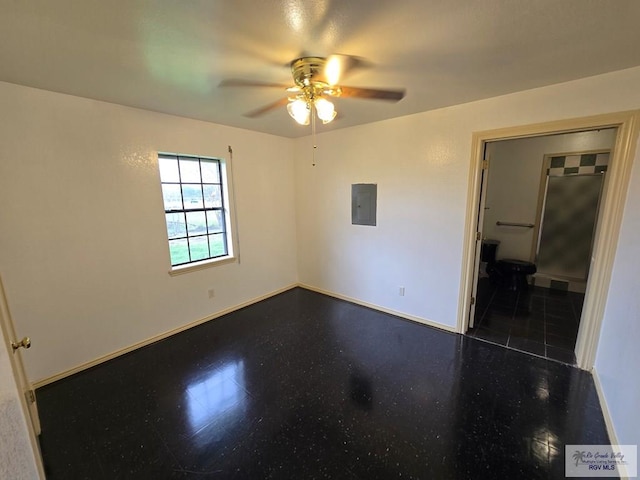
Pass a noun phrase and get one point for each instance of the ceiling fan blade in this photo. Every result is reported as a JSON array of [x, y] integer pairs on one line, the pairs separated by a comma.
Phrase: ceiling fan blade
[[373, 93], [233, 82], [267, 108]]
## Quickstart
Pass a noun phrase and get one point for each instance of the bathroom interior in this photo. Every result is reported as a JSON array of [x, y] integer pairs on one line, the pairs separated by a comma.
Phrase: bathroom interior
[[539, 214]]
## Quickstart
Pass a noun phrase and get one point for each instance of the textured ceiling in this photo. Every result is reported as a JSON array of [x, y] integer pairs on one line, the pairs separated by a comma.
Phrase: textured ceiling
[[169, 56]]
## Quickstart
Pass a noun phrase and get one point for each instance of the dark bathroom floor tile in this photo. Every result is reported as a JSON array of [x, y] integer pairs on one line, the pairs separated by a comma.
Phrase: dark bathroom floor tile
[[526, 345], [496, 322], [519, 330], [498, 337], [540, 316], [527, 310], [561, 342], [559, 319], [564, 330], [532, 324], [561, 354]]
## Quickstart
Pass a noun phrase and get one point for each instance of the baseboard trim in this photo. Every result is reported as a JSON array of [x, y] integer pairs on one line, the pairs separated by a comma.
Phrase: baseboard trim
[[373, 306], [156, 338], [613, 437], [605, 408], [79, 368]]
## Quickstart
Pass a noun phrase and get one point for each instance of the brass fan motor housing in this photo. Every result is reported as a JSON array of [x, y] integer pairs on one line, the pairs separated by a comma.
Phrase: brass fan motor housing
[[309, 75], [309, 71]]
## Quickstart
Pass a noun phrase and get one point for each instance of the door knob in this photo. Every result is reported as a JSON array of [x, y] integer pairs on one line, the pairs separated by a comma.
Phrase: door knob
[[24, 343]]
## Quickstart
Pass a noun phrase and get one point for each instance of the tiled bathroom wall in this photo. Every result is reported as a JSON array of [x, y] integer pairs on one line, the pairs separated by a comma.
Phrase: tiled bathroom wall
[[585, 163]]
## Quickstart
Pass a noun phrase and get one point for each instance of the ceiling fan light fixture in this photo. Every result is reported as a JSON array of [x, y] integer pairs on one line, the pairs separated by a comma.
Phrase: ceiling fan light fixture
[[325, 109], [299, 111], [316, 79]]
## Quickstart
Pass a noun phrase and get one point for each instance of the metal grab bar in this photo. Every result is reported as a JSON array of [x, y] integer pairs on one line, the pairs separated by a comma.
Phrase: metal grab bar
[[514, 224]]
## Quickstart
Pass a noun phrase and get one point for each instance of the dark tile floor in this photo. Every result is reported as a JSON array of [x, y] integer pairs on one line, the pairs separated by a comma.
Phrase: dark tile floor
[[304, 386], [539, 320]]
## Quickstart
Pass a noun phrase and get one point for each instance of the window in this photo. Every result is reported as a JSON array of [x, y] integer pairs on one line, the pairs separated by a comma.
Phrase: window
[[196, 208]]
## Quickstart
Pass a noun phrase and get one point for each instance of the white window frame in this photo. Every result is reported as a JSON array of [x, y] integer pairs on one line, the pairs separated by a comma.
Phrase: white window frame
[[228, 215]]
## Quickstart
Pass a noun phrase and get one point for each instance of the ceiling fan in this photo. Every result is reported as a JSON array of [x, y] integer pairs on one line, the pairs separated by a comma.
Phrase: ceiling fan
[[316, 79]]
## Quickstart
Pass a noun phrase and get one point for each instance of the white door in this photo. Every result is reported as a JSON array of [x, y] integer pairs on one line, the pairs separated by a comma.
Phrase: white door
[[15, 348], [478, 245]]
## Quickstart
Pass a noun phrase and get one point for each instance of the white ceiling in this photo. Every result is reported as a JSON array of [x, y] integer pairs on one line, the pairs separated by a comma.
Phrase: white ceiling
[[169, 55]]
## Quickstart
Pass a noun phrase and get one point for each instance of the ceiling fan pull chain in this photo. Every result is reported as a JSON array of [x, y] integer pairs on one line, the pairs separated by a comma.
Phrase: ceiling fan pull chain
[[313, 136]]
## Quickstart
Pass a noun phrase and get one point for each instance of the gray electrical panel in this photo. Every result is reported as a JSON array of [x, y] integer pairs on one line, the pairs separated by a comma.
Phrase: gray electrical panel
[[363, 203]]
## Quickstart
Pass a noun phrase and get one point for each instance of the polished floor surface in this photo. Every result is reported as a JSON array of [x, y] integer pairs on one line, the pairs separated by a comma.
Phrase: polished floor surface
[[538, 320], [304, 386]]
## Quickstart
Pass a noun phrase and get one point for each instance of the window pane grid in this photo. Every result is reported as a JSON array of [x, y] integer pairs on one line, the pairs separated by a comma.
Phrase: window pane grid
[[194, 211]]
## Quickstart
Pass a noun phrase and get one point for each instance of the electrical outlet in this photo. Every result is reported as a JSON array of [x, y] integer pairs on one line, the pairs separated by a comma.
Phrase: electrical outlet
[[212, 293], [401, 291]]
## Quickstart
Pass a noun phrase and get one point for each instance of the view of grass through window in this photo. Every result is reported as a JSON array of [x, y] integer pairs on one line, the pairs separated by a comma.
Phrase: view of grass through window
[[192, 190]]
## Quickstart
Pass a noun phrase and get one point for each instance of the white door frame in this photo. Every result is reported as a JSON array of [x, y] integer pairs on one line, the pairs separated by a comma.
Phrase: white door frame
[[609, 222]]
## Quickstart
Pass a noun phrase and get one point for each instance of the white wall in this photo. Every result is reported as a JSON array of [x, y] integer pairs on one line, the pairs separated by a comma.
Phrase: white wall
[[83, 246], [515, 172], [618, 359], [421, 164]]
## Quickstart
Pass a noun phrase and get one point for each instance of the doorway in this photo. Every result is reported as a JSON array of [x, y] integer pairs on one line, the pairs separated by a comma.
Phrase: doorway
[[540, 209], [609, 220]]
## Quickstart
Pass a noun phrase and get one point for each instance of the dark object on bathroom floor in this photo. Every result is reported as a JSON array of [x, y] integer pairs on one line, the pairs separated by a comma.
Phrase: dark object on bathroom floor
[[509, 273], [514, 273], [488, 253]]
